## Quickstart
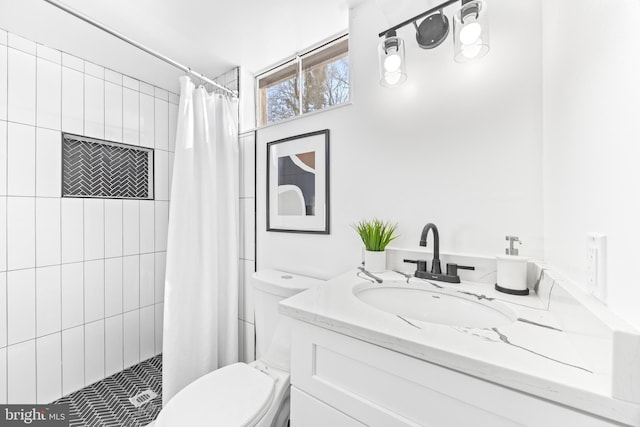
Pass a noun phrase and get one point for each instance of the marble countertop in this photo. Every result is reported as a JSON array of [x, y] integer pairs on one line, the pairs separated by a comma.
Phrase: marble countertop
[[533, 354]]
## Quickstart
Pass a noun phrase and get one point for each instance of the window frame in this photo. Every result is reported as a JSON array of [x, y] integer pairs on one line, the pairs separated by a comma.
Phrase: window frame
[[282, 72]]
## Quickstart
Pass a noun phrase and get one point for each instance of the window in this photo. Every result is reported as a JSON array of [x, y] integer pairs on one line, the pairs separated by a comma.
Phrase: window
[[313, 81]]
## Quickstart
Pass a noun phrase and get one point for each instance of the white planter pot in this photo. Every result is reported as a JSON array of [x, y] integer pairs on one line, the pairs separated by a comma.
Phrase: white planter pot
[[375, 261]]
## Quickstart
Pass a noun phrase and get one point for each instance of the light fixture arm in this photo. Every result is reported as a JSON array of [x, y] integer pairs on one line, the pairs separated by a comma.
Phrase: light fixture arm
[[420, 16]]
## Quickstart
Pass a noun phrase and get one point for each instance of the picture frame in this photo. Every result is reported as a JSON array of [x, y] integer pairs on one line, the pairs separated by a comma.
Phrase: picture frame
[[298, 184]]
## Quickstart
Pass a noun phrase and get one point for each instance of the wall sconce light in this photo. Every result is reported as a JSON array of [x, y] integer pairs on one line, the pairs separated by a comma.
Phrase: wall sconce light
[[470, 37]]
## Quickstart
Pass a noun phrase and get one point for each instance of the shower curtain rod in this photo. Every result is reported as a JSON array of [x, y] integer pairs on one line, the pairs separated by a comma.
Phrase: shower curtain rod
[[152, 52]]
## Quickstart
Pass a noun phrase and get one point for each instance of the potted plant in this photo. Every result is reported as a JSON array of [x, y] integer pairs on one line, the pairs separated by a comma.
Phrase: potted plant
[[375, 235]]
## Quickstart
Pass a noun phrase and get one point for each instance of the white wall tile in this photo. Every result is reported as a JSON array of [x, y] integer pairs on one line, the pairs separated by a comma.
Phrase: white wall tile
[[162, 174], [25, 45], [93, 107], [3, 376], [240, 340], [21, 305], [49, 368], [72, 230], [130, 83], [72, 62], [72, 285], [159, 313], [161, 124], [21, 368], [113, 112], [245, 309], [171, 156], [21, 87], [247, 228], [247, 166], [3, 156], [112, 228], [147, 230], [131, 323], [249, 342], [49, 54], [21, 158], [47, 231], [113, 345], [160, 267], [131, 227], [94, 70], [113, 286], [146, 88], [147, 126], [93, 229], [162, 224], [48, 300], [174, 99], [3, 233], [147, 335], [113, 76], [48, 163], [48, 94], [130, 116], [161, 93], [94, 290], [3, 312], [3, 82], [72, 360], [72, 101], [94, 352], [21, 232], [130, 282], [173, 123], [147, 272]]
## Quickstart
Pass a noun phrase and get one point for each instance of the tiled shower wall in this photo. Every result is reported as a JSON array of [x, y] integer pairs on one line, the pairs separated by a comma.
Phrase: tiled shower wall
[[81, 280]]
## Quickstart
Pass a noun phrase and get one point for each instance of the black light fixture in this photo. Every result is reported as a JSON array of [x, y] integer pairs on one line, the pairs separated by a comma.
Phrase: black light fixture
[[470, 37]]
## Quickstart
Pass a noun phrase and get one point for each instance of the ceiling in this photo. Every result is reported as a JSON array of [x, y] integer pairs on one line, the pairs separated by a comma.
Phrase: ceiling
[[209, 36]]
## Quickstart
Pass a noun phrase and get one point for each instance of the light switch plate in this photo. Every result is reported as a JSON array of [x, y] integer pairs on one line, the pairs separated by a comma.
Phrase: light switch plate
[[597, 265]]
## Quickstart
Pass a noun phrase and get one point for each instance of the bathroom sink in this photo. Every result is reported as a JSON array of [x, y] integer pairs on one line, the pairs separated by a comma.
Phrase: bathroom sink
[[445, 307]]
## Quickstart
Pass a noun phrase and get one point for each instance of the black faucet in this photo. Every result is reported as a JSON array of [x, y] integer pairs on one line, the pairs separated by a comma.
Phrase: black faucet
[[451, 275], [435, 264]]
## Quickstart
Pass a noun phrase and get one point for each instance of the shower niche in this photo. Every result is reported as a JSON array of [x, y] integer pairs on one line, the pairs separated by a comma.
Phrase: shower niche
[[103, 169]]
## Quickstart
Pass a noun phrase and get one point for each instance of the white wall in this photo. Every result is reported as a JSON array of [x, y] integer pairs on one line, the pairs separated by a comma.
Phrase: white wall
[[591, 149], [458, 145], [81, 280]]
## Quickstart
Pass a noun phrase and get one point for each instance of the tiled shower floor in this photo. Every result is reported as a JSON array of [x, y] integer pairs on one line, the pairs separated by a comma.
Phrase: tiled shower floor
[[106, 403]]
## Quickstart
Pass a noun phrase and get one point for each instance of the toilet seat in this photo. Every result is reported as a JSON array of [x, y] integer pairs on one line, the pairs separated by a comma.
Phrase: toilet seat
[[235, 395]]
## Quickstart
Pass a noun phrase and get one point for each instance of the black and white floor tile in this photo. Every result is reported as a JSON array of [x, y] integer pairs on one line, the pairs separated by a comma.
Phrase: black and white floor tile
[[106, 403]]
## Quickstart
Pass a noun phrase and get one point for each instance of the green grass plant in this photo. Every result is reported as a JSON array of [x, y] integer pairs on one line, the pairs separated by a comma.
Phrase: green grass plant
[[375, 234]]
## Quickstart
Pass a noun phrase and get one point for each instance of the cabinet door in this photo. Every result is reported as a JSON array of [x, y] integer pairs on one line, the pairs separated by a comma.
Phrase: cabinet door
[[307, 411]]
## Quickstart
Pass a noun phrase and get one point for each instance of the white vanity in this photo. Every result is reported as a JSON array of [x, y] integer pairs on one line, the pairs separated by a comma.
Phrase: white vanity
[[358, 357]]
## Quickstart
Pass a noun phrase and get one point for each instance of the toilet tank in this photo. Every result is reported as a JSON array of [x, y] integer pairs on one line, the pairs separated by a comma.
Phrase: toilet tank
[[273, 332]]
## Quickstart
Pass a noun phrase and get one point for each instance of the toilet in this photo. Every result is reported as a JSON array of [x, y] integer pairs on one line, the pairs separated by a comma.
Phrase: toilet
[[241, 394]]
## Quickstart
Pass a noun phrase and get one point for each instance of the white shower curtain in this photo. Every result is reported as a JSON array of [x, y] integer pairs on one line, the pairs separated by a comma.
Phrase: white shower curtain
[[201, 286]]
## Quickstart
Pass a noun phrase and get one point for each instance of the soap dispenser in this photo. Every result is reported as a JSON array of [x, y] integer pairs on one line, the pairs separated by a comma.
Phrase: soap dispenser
[[512, 270]]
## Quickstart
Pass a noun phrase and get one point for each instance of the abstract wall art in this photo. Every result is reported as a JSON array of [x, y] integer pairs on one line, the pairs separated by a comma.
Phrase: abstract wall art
[[298, 183]]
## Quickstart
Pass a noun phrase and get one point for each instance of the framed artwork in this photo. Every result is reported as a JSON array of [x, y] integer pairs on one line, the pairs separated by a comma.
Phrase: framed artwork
[[298, 183]]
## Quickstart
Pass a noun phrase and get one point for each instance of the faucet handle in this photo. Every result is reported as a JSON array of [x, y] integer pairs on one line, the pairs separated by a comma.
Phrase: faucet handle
[[421, 263]]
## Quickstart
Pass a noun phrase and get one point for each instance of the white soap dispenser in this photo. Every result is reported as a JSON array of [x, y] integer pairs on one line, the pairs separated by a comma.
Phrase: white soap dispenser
[[512, 270]]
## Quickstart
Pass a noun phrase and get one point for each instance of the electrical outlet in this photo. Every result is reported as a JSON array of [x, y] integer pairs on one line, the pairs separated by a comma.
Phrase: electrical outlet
[[597, 265]]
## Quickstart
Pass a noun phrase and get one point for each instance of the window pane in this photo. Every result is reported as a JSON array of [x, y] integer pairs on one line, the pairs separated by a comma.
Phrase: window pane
[[325, 77], [283, 100]]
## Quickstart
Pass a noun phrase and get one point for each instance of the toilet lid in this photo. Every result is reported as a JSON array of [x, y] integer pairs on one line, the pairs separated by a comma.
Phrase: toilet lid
[[236, 395]]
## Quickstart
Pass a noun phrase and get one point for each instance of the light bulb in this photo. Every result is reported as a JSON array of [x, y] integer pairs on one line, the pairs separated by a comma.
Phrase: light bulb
[[392, 78], [470, 33], [470, 51], [392, 62]]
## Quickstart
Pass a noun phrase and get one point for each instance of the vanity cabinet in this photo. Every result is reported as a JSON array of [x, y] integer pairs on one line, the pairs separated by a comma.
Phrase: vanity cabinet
[[341, 381]]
